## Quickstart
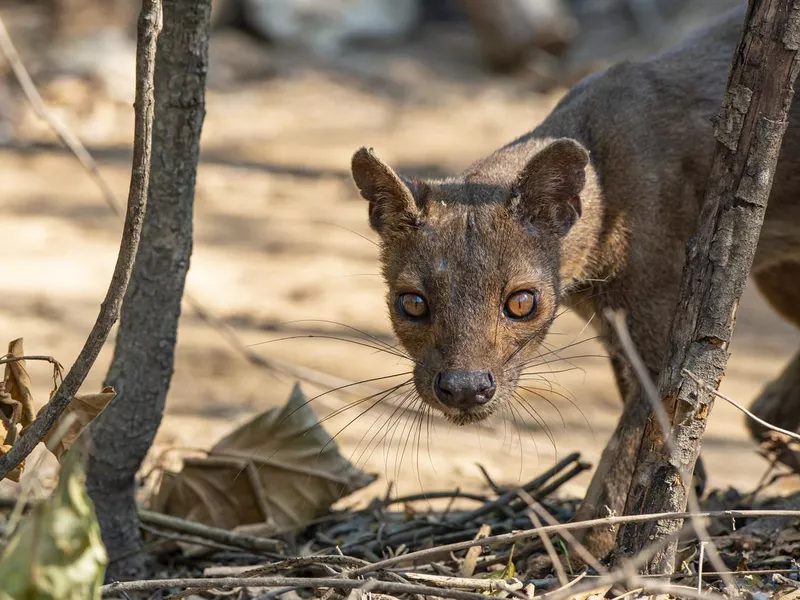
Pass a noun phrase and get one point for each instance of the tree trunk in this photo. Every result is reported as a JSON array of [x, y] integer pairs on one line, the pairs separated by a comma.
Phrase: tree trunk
[[749, 131], [143, 360]]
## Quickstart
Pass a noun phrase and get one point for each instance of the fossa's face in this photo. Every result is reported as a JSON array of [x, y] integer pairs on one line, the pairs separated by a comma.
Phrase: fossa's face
[[472, 278], [470, 300]]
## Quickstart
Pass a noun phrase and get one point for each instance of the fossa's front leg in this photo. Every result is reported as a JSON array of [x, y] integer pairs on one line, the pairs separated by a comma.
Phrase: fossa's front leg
[[608, 490]]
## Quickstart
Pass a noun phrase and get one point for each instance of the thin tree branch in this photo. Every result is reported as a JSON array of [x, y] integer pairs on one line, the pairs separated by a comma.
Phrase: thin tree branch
[[293, 562], [149, 27], [62, 131], [50, 359], [732, 402], [561, 573]]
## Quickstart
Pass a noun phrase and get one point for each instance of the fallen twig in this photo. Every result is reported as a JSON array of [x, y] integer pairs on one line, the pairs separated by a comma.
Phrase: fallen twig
[[374, 585], [579, 548], [531, 488], [578, 525], [539, 487], [229, 538], [626, 573], [284, 565], [649, 588], [465, 583], [131, 232], [561, 573], [165, 536]]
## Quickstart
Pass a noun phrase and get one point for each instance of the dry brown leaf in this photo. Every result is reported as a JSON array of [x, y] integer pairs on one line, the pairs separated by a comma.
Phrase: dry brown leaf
[[18, 386], [15, 474], [467, 567], [6, 446], [281, 469], [81, 411], [597, 593]]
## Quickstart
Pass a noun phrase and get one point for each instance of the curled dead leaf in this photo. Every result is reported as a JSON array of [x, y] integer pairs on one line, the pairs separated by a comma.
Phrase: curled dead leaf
[[280, 470], [79, 412], [17, 385]]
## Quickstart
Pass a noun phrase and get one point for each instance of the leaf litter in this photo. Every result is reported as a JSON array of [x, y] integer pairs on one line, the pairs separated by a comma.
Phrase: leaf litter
[[258, 479], [280, 474]]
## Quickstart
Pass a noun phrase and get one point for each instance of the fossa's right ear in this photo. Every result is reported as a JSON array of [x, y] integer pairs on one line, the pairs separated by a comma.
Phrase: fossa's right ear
[[392, 204]]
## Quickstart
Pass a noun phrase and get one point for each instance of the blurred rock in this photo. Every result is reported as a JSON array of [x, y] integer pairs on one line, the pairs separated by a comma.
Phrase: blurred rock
[[235, 57], [75, 19], [441, 11], [510, 30], [106, 56], [326, 26]]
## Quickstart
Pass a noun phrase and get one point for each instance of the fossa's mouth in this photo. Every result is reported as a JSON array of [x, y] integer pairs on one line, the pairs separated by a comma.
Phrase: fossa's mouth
[[466, 416]]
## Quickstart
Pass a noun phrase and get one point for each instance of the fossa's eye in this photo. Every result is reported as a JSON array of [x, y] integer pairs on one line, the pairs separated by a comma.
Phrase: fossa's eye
[[412, 306], [521, 305]]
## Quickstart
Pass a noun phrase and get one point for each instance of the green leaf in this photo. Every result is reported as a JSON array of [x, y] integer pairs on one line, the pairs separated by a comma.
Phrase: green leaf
[[56, 553], [507, 573]]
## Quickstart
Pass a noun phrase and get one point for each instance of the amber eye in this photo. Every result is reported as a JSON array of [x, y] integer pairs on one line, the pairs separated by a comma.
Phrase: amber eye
[[521, 305], [412, 306]]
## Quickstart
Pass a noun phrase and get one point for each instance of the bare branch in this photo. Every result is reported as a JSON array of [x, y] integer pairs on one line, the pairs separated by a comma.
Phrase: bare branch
[[732, 402], [64, 133], [50, 359], [149, 27]]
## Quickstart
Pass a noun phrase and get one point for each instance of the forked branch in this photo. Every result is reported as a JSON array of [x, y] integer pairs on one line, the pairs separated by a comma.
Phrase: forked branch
[[149, 27]]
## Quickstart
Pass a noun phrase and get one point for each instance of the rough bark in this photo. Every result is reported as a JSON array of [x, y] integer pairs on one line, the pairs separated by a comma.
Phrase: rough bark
[[143, 360], [749, 131]]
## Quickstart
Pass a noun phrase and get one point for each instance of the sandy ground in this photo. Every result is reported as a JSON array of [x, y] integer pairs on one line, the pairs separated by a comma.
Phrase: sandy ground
[[280, 237]]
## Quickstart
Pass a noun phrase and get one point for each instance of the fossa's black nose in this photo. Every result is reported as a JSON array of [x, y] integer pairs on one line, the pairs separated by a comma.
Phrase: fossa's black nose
[[461, 388]]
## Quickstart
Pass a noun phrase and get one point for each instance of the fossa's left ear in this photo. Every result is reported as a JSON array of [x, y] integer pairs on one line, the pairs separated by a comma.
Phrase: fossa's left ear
[[547, 193]]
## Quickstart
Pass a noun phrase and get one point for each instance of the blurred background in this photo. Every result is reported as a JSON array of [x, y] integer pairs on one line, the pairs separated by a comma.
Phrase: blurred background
[[282, 244]]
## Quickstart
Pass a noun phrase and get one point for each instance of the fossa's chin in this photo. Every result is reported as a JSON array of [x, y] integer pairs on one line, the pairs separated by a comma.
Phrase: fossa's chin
[[468, 416]]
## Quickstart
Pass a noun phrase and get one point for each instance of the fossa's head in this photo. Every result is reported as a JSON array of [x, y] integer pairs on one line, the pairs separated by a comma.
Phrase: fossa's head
[[472, 269]]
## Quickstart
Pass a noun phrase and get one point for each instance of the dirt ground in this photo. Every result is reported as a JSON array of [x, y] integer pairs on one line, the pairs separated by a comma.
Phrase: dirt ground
[[282, 237]]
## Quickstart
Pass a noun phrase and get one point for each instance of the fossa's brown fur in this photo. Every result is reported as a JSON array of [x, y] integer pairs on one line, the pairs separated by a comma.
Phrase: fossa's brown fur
[[591, 210]]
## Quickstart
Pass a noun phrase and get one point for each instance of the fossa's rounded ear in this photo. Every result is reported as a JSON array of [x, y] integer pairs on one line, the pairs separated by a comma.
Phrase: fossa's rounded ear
[[392, 202], [547, 193]]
